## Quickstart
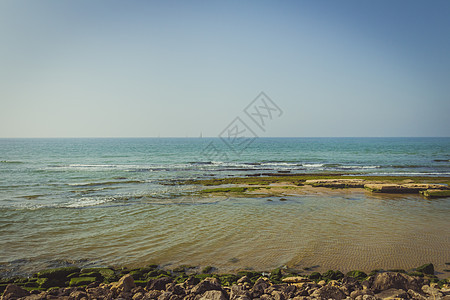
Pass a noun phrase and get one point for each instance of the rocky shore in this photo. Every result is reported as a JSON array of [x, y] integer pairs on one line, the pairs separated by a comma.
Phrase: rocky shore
[[285, 184], [152, 282]]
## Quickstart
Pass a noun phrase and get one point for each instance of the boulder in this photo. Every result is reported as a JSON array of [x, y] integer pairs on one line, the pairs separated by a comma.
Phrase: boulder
[[159, 283], [392, 280], [125, 284], [435, 193], [360, 275], [13, 291], [260, 285], [208, 284], [244, 279], [295, 279], [58, 272], [432, 291], [329, 292], [426, 269], [392, 294], [165, 296], [78, 295], [79, 281], [332, 275], [361, 293], [213, 295], [239, 292]]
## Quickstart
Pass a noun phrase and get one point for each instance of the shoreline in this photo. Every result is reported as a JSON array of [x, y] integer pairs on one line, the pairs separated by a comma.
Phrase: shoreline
[[188, 282]]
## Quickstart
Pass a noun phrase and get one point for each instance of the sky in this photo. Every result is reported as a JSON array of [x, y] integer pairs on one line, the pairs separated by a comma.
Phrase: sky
[[189, 68]]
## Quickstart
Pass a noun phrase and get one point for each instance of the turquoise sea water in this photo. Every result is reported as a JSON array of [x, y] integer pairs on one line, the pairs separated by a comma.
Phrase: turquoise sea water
[[104, 202]]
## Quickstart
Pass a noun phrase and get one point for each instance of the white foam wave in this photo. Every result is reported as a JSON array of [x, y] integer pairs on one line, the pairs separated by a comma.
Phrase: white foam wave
[[358, 167], [87, 201], [313, 165]]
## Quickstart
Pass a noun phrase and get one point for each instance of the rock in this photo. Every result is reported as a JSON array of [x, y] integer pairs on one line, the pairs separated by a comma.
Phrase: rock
[[329, 292], [153, 294], [350, 284], [426, 269], [138, 296], [208, 284], [40, 296], [332, 275], [239, 292], [295, 279], [315, 275], [435, 193], [392, 294], [415, 295], [277, 295], [213, 295], [78, 281], [244, 279], [401, 188], [260, 285], [12, 291], [366, 297], [337, 183], [125, 284], [360, 275], [361, 293], [78, 295], [165, 296], [177, 289], [159, 283], [432, 291], [391, 280], [58, 272]]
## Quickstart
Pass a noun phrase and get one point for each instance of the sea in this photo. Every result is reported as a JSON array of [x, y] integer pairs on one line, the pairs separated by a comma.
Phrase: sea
[[118, 202]]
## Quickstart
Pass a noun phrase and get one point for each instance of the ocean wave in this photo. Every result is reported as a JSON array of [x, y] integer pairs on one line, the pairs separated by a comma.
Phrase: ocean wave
[[87, 202], [11, 162], [313, 165], [359, 167], [84, 184]]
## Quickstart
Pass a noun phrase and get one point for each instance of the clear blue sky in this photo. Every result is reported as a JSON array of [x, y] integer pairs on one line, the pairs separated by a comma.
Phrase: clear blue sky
[[178, 68]]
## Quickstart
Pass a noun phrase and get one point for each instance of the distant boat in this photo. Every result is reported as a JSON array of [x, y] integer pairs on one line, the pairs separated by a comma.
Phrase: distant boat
[[201, 134]]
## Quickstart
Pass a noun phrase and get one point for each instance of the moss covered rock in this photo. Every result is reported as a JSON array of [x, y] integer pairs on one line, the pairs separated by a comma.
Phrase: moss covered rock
[[332, 275], [315, 276], [107, 274], [79, 281], [58, 273], [275, 276], [426, 269], [360, 275]]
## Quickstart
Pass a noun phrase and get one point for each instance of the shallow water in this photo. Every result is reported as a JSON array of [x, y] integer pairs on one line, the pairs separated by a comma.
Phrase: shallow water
[[346, 231], [101, 202]]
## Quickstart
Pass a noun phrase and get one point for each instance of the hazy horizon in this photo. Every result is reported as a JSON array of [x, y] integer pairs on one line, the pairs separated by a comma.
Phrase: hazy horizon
[[180, 69]]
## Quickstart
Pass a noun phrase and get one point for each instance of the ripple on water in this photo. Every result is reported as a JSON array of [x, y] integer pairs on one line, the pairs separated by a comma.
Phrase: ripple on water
[[347, 232]]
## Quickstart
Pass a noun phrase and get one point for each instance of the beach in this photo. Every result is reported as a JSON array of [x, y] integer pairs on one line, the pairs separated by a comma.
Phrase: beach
[[291, 203]]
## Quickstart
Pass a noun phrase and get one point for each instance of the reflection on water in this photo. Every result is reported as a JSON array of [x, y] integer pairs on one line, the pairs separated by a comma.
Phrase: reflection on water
[[347, 231]]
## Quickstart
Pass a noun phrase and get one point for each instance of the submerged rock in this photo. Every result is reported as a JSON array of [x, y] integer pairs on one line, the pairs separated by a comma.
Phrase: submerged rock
[[435, 193], [426, 269], [401, 188]]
